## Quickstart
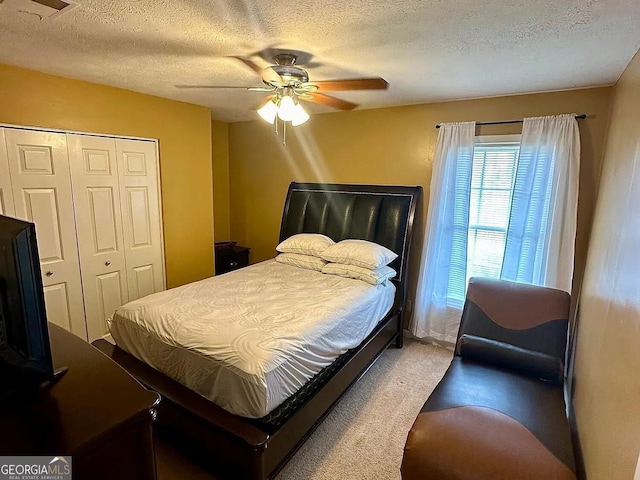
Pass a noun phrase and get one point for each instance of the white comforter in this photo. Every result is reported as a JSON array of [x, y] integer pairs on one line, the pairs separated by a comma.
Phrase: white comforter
[[249, 339]]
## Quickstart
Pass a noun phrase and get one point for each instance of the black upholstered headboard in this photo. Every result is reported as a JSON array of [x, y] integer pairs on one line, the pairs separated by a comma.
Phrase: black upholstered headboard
[[379, 213]]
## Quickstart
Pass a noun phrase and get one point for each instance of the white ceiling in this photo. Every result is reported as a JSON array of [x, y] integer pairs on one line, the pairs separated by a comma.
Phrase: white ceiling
[[431, 50]]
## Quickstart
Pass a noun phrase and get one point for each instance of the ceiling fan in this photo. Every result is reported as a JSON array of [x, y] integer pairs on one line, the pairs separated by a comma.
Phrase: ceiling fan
[[287, 83]]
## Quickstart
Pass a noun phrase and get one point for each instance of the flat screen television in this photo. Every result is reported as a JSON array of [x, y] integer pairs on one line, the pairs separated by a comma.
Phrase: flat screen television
[[25, 353]]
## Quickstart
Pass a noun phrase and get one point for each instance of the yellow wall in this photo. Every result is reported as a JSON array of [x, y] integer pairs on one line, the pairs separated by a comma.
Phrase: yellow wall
[[220, 148], [387, 146], [184, 133], [607, 370]]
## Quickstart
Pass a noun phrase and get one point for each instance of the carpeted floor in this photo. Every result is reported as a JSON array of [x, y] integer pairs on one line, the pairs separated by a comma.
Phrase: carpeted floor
[[363, 438]]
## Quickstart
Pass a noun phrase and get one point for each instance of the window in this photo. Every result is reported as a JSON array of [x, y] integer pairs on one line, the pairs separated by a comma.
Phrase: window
[[489, 201], [492, 181]]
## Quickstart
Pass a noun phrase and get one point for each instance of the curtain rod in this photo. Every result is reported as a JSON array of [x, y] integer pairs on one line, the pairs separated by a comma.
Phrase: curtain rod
[[504, 122]]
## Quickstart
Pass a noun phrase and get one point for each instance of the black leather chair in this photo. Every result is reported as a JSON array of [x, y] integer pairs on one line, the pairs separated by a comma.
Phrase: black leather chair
[[499, 411]]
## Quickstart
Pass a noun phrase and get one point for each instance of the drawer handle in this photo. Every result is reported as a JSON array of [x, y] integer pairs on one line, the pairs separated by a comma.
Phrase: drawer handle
[[107, 263], [49, 273], [233, 264]]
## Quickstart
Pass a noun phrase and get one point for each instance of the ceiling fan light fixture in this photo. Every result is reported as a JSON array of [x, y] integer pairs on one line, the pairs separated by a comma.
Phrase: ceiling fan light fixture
[[287, 110], [269, 111], [300, 116]]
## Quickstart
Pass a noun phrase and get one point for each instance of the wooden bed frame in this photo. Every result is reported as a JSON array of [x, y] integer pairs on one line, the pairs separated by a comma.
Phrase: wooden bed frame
[[235, 447]]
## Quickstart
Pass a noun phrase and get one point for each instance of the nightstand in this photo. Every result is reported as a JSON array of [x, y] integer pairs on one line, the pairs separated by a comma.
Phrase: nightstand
[[230, 258]]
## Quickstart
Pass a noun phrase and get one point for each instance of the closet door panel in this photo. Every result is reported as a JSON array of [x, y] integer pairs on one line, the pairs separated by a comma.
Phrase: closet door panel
[[40, 180], [57, 303], [94, 175], [6, 197], [138, 175], [42, 207], [143, 281]]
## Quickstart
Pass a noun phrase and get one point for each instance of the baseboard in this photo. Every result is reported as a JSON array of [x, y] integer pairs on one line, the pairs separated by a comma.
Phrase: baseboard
[[581, 473], [432, 341]]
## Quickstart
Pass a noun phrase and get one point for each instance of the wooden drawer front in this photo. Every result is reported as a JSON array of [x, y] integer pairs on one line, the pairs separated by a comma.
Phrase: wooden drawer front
[[231, 260]]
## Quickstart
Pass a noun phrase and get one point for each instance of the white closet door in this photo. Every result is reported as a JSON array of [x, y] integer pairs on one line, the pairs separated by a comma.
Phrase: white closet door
[[96, 193], [139, 194], [39, 166], [6, 197]]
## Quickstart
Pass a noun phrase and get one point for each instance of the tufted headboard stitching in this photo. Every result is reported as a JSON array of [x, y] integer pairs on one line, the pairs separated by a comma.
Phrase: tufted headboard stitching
[[379, 213]]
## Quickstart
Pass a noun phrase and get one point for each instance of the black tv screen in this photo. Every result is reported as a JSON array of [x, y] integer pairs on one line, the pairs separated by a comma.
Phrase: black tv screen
[[25, 353]]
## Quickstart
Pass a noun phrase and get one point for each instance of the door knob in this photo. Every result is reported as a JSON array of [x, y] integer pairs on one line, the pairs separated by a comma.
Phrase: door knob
[[107, 263], [49, 273]]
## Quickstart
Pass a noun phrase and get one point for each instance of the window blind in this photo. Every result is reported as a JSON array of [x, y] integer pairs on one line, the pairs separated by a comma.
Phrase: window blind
[[457, 285], [492, 181]]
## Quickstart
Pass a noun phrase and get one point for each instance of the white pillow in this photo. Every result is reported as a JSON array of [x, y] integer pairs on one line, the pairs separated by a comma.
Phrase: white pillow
[[374, 277], [305, 244], [302, 261], [360, 253]]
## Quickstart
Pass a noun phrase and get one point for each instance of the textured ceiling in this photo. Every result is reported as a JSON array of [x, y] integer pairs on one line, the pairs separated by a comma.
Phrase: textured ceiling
[[428, 51]]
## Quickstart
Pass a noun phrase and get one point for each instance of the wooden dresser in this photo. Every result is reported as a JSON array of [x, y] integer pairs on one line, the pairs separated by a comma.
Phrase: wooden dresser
[[97, 413]]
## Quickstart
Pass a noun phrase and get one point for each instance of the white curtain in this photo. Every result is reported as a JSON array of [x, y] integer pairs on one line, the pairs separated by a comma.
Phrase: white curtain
[[541, 235], [540, 239], [442, 280]]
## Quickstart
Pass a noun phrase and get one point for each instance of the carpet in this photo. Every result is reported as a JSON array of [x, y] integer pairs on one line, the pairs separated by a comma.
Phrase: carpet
[[363, 437]]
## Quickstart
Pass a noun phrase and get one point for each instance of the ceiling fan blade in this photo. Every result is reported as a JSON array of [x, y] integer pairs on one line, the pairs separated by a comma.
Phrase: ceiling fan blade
[[211, 86], [332, 102], [270, 76], [267, 74], [375, 83], [264, 101], [253, 66], [262, 89]]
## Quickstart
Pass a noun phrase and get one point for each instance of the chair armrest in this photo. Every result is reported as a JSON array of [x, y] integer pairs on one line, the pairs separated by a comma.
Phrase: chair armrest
[[520, 360]]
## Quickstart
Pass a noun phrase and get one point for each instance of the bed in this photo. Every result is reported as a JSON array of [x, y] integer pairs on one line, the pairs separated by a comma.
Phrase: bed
[[258, 439]]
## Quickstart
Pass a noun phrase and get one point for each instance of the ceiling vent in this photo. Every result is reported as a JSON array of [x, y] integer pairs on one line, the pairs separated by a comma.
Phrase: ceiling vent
[[45, 9]]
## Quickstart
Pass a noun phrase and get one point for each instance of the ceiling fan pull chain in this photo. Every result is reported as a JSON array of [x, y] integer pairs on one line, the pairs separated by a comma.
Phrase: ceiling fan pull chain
[[284, 132]]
